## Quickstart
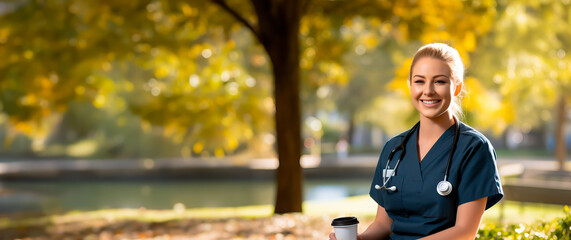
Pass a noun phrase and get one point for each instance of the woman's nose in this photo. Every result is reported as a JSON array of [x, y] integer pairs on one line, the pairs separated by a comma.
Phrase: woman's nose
[[428, 89]]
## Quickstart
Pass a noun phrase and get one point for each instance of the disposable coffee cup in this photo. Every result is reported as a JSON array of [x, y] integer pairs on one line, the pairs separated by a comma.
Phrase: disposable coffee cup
[[345, 228]]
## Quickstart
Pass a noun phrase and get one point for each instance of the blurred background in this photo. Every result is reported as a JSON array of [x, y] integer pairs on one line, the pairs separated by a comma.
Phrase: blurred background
[[164, 104]]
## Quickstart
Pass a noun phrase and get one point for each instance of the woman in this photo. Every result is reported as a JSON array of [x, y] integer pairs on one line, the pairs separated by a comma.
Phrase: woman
[[447, 175]]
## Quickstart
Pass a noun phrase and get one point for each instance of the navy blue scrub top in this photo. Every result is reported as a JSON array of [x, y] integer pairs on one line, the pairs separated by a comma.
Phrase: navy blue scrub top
[[416, 208]]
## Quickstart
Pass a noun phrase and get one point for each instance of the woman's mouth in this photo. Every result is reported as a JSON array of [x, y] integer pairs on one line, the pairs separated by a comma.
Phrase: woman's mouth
[[430, 102]]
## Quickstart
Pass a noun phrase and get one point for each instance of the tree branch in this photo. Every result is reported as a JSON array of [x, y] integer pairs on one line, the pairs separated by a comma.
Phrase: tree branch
[[265, 20], [223, 5]]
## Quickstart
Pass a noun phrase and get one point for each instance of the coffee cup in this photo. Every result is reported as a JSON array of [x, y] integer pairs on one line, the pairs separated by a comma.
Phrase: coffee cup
[[345, 228]]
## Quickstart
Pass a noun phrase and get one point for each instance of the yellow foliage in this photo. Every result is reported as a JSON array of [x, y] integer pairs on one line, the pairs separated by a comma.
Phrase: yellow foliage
[[44, 83], [196, 50], [406, 10], [488, 111], [24, 127], [4, 34], [460, 30], [61, 108], [106, 66], [198, 147], [400, 83], [231, 44], [370, 40], [403, 32], [188, 11], [80, 90], [28, 54], [45, 112], [304, 28], [144, 47], [227, 121], [231, 142], [219, 152], [305, 64], [386, 28], [169, 130], [398, 106], [162, 71], [248, 133], [99, 101], [335, 73], [128, 86], [375, 22], [29, 100]]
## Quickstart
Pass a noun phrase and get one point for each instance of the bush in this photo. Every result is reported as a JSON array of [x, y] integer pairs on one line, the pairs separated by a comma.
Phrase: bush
[[559, 228]]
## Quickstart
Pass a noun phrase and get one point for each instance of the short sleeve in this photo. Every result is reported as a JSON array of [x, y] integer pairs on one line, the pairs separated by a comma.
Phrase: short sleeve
[[479, 175]]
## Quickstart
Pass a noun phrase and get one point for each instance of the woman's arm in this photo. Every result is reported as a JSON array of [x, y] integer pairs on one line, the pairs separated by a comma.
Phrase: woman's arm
[[380, 228], [468, 220]]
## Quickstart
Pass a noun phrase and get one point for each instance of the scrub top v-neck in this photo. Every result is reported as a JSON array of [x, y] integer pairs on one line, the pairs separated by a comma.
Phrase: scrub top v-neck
[[416, 208]]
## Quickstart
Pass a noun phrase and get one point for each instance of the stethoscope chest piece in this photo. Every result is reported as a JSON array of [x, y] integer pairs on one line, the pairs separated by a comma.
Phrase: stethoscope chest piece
[[444, 188]]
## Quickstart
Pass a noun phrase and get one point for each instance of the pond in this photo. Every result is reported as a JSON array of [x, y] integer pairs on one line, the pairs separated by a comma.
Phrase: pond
[[63, 196]]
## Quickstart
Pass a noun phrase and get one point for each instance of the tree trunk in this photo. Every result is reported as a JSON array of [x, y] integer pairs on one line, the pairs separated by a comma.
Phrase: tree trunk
[[278, 32], [289, 177], [560, 132], [288, 124]]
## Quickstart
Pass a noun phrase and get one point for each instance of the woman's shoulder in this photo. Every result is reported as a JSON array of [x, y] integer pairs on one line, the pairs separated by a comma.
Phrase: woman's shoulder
[[472, 135]]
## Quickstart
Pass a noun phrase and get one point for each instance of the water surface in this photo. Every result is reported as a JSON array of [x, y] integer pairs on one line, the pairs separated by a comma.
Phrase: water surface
[[63, 196]]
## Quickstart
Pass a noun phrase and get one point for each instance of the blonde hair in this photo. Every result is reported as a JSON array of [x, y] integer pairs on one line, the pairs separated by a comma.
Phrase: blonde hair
[[452, 58]]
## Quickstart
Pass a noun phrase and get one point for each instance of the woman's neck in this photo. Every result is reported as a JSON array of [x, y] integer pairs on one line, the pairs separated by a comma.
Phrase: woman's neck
[[434, 127], [429, 132]]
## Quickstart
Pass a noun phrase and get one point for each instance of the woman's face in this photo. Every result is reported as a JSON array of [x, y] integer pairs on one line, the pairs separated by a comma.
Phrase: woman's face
[[432, 88]]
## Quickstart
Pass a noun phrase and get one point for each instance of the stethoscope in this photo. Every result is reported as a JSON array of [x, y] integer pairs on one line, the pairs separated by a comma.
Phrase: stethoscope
[[443, 188]]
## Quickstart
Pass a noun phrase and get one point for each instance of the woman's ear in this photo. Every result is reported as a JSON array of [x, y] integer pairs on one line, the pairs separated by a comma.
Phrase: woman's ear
[[458, 89]]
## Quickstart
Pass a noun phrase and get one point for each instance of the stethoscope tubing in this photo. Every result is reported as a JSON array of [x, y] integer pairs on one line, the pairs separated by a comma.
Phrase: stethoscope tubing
[[444, 183], [401, 155]]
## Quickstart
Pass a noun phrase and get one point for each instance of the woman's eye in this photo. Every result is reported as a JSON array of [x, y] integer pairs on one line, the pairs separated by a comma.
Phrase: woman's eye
[[440, 81], [418, 81]]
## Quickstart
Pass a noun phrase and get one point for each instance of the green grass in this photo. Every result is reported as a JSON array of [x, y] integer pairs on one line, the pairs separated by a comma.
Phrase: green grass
[[509, 212], [511, 153]]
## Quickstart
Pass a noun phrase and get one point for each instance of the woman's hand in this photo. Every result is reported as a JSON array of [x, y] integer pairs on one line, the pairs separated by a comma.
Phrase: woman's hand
[[332, 236], [379, 229]]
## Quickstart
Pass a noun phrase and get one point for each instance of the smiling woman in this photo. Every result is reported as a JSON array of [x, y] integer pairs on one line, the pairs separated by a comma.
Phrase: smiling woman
[[441, 186]]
